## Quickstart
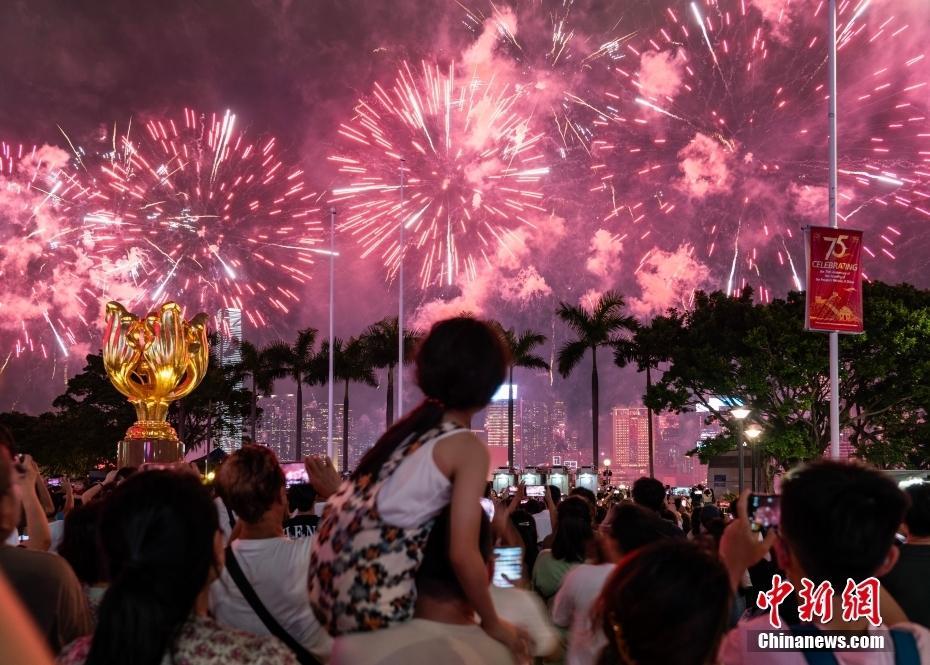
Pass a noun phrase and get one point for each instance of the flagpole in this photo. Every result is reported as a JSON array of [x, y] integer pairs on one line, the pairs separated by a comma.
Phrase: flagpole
[[329, 383], [400, 302], [834, 337]]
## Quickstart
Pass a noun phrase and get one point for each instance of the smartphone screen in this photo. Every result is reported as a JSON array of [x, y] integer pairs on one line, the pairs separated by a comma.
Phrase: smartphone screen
[[488, 506], [764, 510], [508, 566], [535, 491], [295, 474], [54, 482]]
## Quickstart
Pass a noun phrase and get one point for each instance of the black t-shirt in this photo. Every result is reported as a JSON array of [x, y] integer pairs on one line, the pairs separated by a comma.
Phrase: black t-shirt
[[301, 526], [909, 583]]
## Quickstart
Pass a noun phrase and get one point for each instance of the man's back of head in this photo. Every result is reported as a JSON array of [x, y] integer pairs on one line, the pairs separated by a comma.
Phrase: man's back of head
[[649, 493], [632, 526], [250, 482], [917, 518], [301, 497], [839, 519]]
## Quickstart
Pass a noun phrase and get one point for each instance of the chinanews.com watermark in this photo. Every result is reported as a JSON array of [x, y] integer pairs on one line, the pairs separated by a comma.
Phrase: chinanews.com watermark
[[816, 606], [834, 640]]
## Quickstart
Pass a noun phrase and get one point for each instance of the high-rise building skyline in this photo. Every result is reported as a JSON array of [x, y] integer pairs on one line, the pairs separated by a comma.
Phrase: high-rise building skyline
[[497, 427], [229, 354], [276, 429], [630, 442], [535, 433]]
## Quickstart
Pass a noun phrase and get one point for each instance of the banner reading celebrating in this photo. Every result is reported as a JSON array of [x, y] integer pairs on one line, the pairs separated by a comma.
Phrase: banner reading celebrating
[[834, 280]]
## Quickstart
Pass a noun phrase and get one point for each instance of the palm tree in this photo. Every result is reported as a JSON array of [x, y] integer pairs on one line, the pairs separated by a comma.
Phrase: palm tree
[[646, 350], [256, 363], [521, 355], [298, 363], [350, 364], [601, 326], [381, 341]]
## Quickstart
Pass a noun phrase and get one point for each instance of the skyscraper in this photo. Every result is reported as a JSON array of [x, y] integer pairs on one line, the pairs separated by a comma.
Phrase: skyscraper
[[535, 433], [276, 427], [229, 353], [496, 425], [631, 442], [278, 419]]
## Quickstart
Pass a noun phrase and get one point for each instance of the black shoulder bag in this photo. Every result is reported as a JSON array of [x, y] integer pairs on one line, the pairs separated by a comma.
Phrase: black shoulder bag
[[304, 657]]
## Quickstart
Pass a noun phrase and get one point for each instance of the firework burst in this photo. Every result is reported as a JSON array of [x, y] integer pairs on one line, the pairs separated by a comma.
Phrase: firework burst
[[45, 267], [472, 166], [721, 119], [197, 210]]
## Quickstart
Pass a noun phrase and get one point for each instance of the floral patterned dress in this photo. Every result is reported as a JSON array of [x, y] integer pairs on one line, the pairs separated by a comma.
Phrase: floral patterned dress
[[363, 570], [203, 641]]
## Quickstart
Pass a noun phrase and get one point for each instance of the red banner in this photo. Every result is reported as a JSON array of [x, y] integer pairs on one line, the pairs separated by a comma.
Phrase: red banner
[[834, 280]]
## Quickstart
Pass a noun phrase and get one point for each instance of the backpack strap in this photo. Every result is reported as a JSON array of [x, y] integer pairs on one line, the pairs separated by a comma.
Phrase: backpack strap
[[813, 657], [905, 647], [304, 657], [412, 444]]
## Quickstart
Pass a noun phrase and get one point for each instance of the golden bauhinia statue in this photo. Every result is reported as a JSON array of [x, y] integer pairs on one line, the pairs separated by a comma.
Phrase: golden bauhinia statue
[[153, 361]]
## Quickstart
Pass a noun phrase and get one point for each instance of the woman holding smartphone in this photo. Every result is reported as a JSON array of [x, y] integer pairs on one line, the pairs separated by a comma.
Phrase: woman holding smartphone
[[371, 539]]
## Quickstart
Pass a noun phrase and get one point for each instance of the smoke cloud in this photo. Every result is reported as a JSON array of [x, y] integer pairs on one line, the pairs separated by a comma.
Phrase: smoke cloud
[[705, 165], [668, 279], [661, 74]]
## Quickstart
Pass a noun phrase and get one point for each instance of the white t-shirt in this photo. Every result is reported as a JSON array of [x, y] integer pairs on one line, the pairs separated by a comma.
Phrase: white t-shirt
[[222, 515], [277, 568], [417, 491], [543, 525], [57, 530], [525, 609], [571, 609], [421, 642], [735, 647]]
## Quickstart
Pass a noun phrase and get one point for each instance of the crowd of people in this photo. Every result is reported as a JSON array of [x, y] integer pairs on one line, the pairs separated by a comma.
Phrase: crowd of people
[[400, 562]]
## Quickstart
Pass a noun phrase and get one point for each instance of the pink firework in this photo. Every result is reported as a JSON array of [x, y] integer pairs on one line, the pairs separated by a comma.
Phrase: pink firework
[[47, 270], [720, 134], [196, 210], [472, 166], [561, 65]]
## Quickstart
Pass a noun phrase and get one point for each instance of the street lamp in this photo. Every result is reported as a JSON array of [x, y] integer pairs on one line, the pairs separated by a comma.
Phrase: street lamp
[[607, 472], [753, 433], [740, 414]]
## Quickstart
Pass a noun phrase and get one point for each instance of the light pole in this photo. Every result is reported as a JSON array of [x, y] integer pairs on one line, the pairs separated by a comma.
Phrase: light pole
[[831, 200], [752, 433], [332, 301], [400, 300], [607, 472], [740, 414]]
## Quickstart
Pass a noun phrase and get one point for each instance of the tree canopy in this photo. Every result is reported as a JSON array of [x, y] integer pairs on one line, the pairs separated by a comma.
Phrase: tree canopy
[[733, 348]]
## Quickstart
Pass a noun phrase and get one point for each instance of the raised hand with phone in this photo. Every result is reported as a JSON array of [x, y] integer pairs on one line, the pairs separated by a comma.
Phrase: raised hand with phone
[[37, 535]]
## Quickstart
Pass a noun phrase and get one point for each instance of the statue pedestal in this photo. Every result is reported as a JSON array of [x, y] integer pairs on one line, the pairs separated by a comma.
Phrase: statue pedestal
[[135, 452]]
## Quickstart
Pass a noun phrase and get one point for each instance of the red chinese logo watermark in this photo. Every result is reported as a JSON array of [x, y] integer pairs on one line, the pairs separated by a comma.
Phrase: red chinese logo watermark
[[859, 601]]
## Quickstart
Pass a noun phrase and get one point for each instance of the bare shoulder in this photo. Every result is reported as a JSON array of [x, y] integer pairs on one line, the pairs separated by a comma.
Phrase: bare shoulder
[[459, 449]]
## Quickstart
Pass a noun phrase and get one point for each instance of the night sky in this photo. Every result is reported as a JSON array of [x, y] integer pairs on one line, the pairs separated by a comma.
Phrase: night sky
[[711, 192]]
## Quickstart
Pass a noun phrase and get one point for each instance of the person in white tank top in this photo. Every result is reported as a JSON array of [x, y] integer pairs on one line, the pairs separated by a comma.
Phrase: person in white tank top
[[428, 460]]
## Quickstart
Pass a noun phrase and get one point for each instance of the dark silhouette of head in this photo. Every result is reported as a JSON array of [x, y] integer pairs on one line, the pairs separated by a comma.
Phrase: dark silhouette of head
[[460, 364], [79, 542], [574, 530], [839, 519], [668, 603], [158, 534], [250, 482], [649, 493]]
